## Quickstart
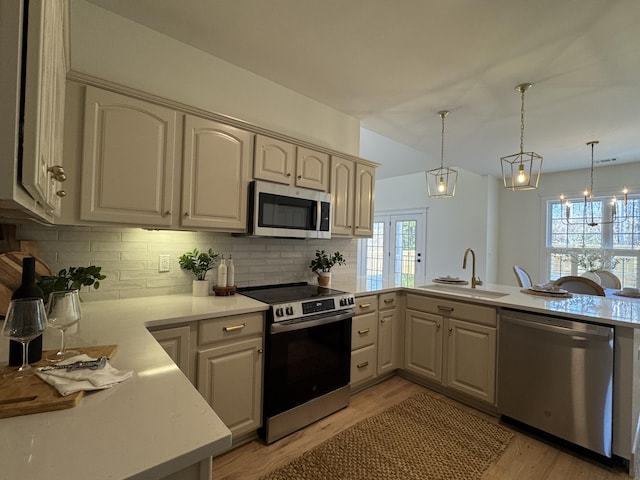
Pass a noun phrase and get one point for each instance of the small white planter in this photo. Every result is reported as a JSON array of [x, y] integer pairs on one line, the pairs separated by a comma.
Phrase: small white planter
[[324, 278], [201, 288]]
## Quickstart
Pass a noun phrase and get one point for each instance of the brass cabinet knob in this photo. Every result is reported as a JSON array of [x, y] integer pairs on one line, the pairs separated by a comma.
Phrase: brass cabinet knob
[[57, 172], [167, 214], [186, 214], [61, 193]]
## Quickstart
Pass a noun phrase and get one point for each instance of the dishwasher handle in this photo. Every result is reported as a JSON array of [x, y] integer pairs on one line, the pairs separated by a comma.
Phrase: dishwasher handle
[[596, 333]]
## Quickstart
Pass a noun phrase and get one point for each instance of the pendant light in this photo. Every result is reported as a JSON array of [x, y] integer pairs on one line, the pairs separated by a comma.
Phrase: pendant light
[[588, 217], [521, 171], [441, 182]]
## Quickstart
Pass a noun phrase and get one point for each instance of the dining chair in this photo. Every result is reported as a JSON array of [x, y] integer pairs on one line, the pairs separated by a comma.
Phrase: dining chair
[[579, 285], [524, 280], [608, 279]]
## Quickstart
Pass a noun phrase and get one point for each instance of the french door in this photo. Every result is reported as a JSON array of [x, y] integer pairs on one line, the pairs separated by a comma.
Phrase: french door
[[395, 255]]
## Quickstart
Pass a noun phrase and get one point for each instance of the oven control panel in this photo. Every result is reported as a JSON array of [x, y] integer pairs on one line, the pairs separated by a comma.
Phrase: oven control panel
[[301, 309]]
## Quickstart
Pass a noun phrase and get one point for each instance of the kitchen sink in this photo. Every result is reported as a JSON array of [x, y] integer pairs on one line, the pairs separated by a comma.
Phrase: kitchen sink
[[467, 291]]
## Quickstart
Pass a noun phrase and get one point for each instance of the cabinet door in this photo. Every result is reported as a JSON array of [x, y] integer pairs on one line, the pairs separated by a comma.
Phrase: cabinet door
[[363, 365], [216, 175], [128, 160], [274, 160], [387, 336], [312, 169], [471, 359], [230, 380], [364, 198], [342, 195], [423, 345], [46, 71], [176, 341]]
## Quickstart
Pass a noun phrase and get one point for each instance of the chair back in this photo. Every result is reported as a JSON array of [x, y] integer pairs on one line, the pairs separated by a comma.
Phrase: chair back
[[608, 279], [524, 280], [579, 285]]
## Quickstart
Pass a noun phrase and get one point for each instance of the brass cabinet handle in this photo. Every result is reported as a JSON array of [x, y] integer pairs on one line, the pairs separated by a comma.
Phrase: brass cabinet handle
[[57, 172], [364, 305], [388, 300], [363, 364], [445, 309], [61, 193], [231, 328], [363, 331]]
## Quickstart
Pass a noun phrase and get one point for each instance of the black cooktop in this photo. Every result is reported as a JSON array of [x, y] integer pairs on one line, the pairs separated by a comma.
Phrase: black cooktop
[[287, 292]]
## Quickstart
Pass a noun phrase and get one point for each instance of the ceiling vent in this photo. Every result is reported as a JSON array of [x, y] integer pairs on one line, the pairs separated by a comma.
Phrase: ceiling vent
[[605, 161]]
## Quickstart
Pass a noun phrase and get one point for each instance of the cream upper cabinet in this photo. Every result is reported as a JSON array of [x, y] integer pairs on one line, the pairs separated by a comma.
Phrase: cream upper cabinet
[[343, 173], [128, 160], [364, 199], [312, 169], [282, 162], [274, 160], [216, 172], [46, 68]]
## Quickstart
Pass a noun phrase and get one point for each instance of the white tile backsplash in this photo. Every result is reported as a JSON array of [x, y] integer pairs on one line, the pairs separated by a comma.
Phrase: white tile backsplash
[[129, 257]]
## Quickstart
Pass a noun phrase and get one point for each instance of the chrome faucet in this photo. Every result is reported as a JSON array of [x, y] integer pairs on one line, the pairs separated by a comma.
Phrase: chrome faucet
[[474, 281]]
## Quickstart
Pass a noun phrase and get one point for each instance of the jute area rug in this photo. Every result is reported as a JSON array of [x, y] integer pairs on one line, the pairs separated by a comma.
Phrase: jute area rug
[[420, 438]]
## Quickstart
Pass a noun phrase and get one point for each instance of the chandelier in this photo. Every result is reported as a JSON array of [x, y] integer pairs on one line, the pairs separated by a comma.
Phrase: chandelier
[[441, 182], [588, 216], [521, 171]]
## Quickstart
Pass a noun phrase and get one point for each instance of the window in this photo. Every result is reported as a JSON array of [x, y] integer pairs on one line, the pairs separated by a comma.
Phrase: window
[[575, 248], [394, 255]]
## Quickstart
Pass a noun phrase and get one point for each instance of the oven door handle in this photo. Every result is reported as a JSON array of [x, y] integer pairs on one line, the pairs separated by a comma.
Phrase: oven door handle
[[302, 324]]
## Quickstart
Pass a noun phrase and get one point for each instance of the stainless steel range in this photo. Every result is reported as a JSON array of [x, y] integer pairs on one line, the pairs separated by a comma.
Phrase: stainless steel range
[[307, 355]]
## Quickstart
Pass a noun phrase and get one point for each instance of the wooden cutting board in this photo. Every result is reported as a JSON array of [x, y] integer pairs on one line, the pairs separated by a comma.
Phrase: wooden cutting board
[[11, 275], [25, 396]]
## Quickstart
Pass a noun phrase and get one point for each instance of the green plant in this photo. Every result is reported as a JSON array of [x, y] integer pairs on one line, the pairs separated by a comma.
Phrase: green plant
[[71, 279], [323, 262], [198, 263]]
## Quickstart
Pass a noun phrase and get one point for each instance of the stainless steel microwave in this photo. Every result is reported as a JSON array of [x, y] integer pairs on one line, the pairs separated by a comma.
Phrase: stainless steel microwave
[[283, 211]]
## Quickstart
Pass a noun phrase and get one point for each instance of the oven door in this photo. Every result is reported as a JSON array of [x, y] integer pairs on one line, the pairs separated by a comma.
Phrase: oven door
[[306, 359]]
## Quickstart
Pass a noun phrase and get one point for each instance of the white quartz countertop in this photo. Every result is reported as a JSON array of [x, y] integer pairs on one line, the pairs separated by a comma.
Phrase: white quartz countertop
[[147, 427], [612, 310]]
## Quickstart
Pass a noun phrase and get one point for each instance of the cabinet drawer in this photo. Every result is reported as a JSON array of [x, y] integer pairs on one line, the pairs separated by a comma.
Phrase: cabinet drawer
[[364, 330], [366, 304], [363, 364], [447, 308], [387, 300], [236, 326]]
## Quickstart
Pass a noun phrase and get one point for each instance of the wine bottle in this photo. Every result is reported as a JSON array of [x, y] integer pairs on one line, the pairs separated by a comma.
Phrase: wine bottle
[[27, 289]]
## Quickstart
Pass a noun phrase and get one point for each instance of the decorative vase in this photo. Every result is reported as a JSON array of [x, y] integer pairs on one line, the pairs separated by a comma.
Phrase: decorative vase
[[324, 278], [201, 288], [592, 276]]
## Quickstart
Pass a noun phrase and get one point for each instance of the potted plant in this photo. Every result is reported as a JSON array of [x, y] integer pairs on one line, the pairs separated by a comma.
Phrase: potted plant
[[72, 279], [198, 263], [322, 263]]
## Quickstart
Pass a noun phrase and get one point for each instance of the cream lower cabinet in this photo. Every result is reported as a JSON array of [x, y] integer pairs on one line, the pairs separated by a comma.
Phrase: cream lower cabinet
[[388, 333], [230, 366], [452, 343], [176, 341], [364, 338]]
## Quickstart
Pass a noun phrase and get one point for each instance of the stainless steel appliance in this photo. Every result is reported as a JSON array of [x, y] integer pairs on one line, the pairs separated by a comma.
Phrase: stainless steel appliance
[[557, 375], [307, 355], [282, 211]]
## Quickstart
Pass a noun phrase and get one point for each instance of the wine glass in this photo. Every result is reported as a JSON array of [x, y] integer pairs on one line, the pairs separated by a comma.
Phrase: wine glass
[[63, 311], [26, 319]]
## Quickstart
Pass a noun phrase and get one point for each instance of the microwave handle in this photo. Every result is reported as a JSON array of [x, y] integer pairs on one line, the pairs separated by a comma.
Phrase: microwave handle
[[316, 216]]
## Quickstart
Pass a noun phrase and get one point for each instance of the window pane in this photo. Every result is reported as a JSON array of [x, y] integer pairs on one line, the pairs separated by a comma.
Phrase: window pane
[[560, 265], [375, 257], [626, 234], [627, 271], [405, 254]]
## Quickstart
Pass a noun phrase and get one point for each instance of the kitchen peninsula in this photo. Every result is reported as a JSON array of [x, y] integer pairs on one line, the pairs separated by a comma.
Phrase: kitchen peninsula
[[157, 423]]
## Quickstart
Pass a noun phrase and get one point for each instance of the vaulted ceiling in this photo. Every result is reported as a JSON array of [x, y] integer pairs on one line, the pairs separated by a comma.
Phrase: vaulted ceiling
[[394, 64]]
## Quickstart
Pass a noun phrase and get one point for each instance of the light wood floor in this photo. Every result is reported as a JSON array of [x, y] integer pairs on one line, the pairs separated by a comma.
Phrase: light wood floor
[[524, 458]]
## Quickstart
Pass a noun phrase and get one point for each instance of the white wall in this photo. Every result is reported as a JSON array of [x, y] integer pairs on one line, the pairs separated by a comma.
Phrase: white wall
[[522, 214], [116, 49]]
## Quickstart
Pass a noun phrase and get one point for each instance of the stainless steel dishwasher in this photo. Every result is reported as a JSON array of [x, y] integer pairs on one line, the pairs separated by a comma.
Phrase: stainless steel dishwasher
[[557, 375]]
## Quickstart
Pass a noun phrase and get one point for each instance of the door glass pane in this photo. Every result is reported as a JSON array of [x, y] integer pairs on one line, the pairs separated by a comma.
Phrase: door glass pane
[[375, 257], [405, 253]]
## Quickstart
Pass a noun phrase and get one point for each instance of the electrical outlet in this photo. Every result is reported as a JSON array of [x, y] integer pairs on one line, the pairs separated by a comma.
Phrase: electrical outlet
[[163, 263]]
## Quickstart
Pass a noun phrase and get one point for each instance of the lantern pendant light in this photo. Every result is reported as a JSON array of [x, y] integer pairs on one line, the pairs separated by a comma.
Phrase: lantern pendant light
[[521, 171], [441, 182]]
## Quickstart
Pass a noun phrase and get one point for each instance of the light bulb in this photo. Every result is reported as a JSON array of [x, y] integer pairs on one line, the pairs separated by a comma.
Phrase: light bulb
[[442, 187], [521, 175]]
